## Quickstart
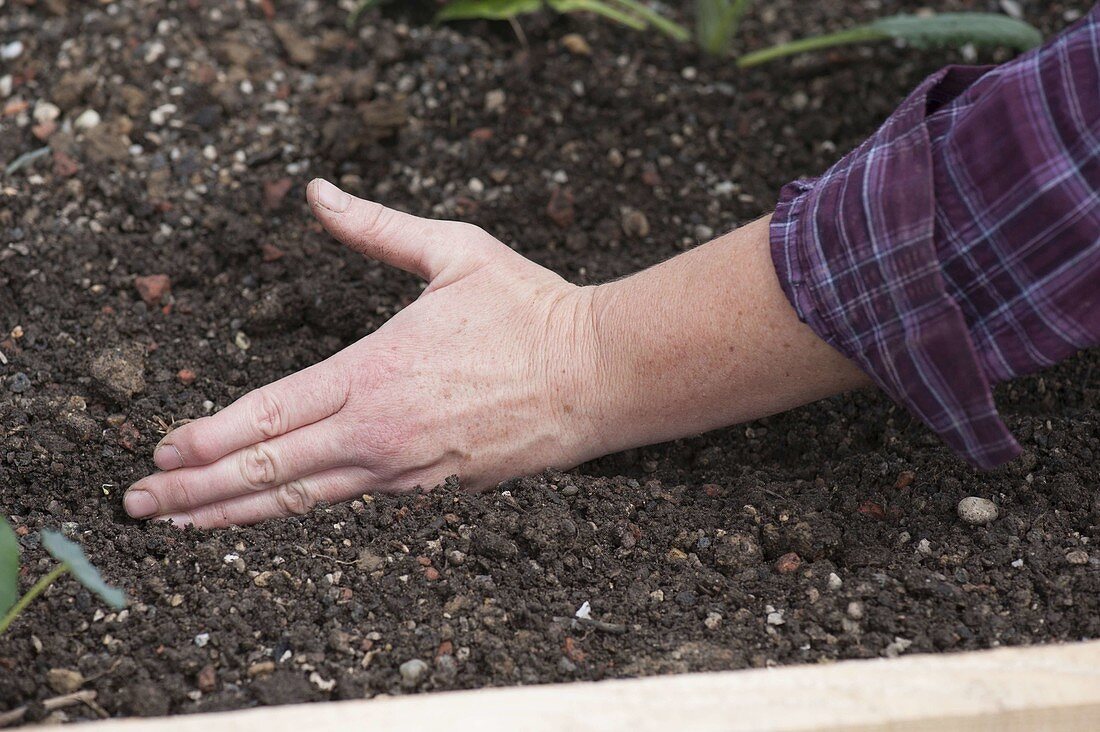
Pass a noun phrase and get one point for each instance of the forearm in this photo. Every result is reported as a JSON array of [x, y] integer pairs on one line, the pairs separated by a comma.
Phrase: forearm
[[704, 340]]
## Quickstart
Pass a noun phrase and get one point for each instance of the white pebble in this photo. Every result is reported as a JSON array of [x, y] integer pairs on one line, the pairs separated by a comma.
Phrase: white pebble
[[10, 51], [835, 583], [161, 114], [977, 511], [494, 101], [924, 548], [6, 85], [412, 671], [46, 112], [87, 120], [202, 639]]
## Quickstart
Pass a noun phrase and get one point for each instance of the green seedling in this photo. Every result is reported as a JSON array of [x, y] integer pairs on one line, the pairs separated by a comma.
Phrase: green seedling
[[71, 560], [945, 29], [631, 13], [717, 23]]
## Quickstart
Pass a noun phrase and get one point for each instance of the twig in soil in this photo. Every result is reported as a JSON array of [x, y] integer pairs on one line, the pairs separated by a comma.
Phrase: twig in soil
[[84, 696], [308, 553], [616, 628], [26, 159], [518, 30]]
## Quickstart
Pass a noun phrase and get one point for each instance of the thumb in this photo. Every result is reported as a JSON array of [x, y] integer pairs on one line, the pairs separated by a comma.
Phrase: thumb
[[416, 245]]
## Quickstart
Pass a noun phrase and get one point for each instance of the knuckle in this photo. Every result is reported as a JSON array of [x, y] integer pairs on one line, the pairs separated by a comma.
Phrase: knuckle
[[376, 219], [294, 498], [258, 467], [270, 415]]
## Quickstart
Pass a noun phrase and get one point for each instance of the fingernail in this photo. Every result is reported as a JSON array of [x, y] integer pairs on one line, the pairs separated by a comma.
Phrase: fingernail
[[167, 457], [330, 196], [139, 504]]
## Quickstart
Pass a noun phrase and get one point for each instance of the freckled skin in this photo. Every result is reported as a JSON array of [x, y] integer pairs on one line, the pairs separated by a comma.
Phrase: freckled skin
[[500, 368]]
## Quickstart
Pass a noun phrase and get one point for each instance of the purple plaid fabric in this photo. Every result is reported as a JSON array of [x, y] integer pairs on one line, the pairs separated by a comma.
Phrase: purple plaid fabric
[[959, 246]]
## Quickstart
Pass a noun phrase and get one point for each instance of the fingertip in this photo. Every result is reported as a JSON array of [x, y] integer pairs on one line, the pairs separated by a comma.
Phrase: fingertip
[[324, 195], [167, 457], [139, 503]]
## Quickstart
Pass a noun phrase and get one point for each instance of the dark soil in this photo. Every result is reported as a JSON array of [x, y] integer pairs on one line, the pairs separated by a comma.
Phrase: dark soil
[[684, 550]]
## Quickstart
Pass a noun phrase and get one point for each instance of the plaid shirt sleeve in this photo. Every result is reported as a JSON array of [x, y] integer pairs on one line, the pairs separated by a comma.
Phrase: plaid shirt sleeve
[[959, 246]]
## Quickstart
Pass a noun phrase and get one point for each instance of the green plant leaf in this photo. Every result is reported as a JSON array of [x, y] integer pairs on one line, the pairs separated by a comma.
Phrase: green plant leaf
[[9, 566], [716, 23], [70, 554], [486, 9], [595, 6], [957, 29], [945, 29]]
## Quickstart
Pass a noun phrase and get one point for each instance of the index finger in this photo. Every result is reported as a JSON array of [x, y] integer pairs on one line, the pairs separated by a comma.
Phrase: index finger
[[295, 401]]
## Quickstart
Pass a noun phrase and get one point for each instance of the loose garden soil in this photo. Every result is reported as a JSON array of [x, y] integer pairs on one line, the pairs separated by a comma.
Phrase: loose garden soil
[[826, 533]]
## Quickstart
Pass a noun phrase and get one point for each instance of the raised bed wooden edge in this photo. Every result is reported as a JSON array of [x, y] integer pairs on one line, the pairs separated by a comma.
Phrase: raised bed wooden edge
[[1052, 687]]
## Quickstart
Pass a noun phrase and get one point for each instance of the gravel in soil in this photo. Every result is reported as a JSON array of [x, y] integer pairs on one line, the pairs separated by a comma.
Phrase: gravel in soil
[[158, 261]]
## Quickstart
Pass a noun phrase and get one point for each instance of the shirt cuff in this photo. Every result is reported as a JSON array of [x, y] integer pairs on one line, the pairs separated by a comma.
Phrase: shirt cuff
[[855, 254]]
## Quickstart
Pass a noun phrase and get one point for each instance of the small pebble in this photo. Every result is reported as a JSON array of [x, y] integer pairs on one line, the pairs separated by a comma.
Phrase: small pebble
[[202, 639], [855, 610], [87, 120], [11, 51], [977, 511], [46, 112], [19, 383], [576, 45], [924, 548], [494, 101], [1078, 557], [713, 621], [834, 582], [703, 233], [635, 224], [64, 680], [412, 671], [788, 563]]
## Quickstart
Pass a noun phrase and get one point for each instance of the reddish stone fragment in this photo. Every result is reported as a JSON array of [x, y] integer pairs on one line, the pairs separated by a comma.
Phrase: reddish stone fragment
[[43, 130], [186, 377], [153, 288], [64, 166], [560, 208], [482, 134], [208, 679], [870, 509], [574, 654], [788, 563], [431, 574], [275, 191], [713, 490], [272, 253], [129, 437], [905, 479]]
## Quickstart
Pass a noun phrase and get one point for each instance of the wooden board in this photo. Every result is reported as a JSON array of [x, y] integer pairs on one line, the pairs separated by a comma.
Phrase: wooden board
[[1054, 687]]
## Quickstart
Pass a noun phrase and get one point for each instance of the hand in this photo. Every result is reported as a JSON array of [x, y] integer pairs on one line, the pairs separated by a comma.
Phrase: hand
[[482, 377]]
